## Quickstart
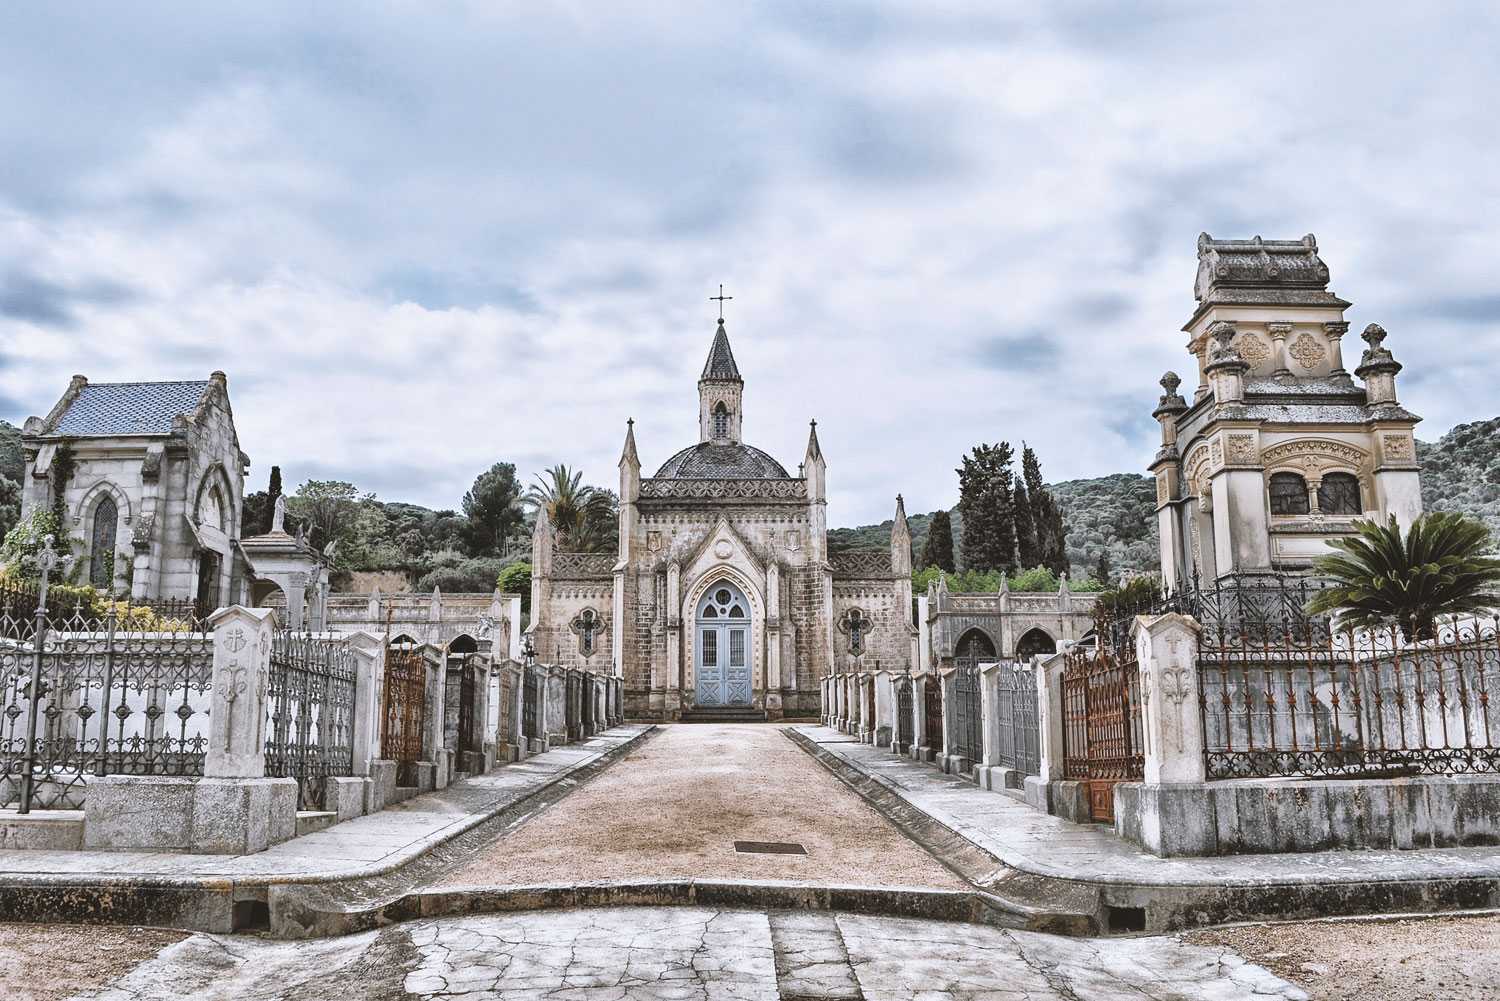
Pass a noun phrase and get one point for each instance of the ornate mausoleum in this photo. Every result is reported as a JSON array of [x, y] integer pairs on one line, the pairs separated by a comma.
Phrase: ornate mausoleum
[[723, 595], [1279, 449]]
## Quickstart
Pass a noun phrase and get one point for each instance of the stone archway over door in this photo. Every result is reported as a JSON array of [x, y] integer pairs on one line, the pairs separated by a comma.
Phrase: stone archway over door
[[723, 672]]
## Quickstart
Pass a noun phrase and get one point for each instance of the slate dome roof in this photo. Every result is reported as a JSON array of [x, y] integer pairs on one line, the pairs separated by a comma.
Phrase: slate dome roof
[[712, 460]]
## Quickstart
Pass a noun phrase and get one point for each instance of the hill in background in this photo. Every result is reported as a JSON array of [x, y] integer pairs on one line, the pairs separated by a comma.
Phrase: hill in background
[[1460, 472]]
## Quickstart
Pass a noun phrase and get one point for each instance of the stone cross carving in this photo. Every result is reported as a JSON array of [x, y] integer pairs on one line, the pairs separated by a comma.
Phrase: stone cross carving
[[278, 514]]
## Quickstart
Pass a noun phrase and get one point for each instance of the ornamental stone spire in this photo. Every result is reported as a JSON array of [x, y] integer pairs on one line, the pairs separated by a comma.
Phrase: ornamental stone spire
[[721, 393]]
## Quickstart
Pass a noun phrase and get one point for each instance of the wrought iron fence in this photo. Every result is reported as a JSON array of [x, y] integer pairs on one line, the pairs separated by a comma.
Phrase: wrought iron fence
[[310, 705], [1017, 737], [589, 693], [85, 694], [1289, 696], [1102, 730], [404, 709], [968, 722], [905, 709]]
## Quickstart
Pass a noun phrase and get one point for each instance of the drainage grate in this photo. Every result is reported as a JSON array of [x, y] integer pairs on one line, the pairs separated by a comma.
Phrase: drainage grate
[[769, 848]]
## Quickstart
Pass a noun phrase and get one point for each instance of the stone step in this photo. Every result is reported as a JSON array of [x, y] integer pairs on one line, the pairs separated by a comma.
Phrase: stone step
[[723, 714], [315, 820]]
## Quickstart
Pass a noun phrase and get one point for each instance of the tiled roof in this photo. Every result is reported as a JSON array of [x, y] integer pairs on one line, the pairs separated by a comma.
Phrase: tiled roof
[[720, 364], [125, 408], [716, 461]]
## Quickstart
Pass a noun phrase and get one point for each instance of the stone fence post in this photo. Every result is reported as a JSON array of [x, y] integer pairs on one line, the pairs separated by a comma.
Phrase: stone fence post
[[241, 673], [432, 770], [1166, 649], [1050, 790], [885, 709], [1169, 812], [369, 686], [921, 740], [991, 772]]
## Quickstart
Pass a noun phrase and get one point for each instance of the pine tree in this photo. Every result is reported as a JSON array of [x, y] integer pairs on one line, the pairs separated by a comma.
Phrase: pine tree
[[938, 550]]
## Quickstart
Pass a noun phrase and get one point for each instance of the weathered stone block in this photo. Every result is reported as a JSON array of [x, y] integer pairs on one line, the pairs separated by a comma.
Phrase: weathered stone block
[[382, 788], [1038, 793], [201, 815], [43, 830], [345, 797], [425, 773], [1070, 801]]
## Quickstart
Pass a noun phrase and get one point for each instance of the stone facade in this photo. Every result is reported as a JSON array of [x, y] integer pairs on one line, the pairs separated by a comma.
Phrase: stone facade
[[1007, 625], [1279, 449], [154, 497], [722, 518]]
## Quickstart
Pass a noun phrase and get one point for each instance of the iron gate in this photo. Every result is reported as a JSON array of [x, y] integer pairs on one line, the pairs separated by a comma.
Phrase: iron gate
[[530, 697], [1016, 719], [904, 712], [310, 699], [404, 713], [867, 696], [468, 685], [588, 703], [1102, 737], [967, 721], [932, 711]]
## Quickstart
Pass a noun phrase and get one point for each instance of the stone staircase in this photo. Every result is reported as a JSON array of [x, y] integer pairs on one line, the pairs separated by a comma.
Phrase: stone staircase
[[723, 714]]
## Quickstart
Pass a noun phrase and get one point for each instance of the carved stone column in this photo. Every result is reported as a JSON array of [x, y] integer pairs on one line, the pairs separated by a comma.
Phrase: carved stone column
[[1335, 331], [1167, 652], [1279, 333]]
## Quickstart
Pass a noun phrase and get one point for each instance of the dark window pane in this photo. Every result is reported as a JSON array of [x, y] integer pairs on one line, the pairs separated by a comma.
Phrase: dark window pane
[[1339, 494], [1288, 494]]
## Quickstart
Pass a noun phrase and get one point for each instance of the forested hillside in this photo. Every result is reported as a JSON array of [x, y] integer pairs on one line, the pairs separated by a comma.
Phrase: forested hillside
[[1461, 472]]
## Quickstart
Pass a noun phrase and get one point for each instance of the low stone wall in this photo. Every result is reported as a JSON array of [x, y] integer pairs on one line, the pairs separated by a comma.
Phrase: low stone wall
[[1254, 816]]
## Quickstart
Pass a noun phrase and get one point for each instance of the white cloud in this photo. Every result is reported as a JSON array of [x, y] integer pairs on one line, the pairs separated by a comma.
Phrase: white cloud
[[419, 244]]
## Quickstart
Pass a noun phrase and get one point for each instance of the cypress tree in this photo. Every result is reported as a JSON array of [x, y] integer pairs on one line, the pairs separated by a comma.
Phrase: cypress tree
[[274, 490], [1103, 570], [1028, 552], [1051, 533], [937, 551], [987, 503]]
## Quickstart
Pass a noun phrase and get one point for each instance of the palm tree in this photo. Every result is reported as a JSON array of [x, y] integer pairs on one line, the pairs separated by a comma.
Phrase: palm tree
[[582, 515], [1439, 568]]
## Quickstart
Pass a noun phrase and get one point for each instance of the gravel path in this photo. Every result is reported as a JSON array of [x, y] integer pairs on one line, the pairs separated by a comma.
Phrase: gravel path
[[675, 806], [1391, 959], [50, 962]]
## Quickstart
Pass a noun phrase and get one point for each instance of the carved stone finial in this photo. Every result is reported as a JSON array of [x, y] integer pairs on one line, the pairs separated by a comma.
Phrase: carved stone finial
[[1170, 381], [1223, 333], [1374, 334]]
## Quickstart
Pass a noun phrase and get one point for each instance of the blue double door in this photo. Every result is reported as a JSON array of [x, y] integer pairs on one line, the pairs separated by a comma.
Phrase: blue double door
[[722, 650]]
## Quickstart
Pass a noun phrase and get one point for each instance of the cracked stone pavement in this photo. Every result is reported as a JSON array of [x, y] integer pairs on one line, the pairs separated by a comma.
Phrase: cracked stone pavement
[[666, 954]]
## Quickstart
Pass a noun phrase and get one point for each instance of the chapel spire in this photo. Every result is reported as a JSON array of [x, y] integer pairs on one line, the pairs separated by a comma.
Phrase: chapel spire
[[720, 393]]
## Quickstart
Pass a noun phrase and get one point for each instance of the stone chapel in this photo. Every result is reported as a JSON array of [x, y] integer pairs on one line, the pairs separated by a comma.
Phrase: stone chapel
[[1279, 449], [723, 597]]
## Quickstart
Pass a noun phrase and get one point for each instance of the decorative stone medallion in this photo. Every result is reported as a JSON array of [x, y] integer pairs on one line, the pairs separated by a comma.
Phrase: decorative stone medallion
[[1252, 348], [1241, 449], [1307, 352], [723, 550], [1397, 446]]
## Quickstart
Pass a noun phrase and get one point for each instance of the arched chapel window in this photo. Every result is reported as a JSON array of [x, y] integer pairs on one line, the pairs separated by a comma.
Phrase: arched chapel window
[[721, 421], [1339, 494], [102, 544], [1288, 494], [1035, 641], [858, 625]]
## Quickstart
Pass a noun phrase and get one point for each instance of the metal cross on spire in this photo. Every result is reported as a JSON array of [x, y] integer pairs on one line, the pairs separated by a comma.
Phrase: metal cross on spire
[[720, 298]]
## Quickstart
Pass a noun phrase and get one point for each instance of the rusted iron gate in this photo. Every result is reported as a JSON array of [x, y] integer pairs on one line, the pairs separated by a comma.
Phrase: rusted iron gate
[[932, 711], [468, 693], [310, 700], [1019, 742], [404, 713], [1102, 735], [904, 711], [867, 699], [968, 723]]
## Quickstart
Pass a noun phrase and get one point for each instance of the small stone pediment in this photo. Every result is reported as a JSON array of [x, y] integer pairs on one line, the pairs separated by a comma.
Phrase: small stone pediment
[[723, 545]]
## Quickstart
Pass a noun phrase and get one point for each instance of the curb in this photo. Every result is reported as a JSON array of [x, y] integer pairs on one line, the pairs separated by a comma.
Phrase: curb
[[310, 918], [222, 904], [1126, 906]]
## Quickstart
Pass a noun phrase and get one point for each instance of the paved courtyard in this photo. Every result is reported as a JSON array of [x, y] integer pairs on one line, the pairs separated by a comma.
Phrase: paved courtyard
[[670, 953], [675, 805]]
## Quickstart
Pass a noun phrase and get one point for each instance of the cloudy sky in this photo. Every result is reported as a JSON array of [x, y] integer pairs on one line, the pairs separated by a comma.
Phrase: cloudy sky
[[421, 238]]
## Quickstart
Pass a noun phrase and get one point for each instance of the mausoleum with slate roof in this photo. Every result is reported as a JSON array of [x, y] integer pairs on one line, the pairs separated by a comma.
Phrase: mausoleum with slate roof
[[723, 600], [151, 479]]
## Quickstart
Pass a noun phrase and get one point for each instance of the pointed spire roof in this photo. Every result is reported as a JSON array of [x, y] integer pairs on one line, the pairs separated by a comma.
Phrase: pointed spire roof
[[814, 450], [900, 510], [628, 454], [720, 365]]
